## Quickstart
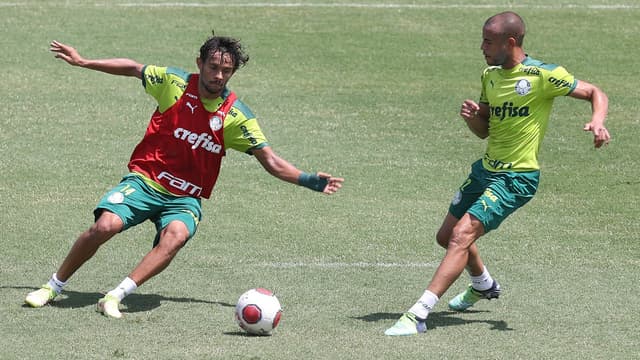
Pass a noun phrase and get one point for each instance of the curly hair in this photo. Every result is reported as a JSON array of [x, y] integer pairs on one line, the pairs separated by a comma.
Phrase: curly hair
[[225, 45]]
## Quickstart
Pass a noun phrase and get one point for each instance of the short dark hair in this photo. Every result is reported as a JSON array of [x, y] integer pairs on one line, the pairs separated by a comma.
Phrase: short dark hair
[[225, 45], [509, 24]]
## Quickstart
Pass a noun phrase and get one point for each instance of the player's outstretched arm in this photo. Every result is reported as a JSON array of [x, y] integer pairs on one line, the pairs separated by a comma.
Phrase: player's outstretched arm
[[283, 170], [124, 67], [599, 108]]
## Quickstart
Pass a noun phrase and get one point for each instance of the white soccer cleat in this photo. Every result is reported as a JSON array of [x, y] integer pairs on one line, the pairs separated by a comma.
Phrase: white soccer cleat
[[110, 306], [40, 297], [408, 324]]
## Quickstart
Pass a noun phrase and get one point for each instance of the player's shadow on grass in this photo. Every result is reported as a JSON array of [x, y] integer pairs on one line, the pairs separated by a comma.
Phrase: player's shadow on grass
[[132, 303], [440, 319]]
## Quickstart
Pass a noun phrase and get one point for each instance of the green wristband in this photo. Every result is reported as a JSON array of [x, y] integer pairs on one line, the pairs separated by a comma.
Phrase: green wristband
[[312, 181]]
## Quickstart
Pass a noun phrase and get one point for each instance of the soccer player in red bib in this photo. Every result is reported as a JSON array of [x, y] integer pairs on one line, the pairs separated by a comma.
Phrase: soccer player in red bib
[[176, 163]]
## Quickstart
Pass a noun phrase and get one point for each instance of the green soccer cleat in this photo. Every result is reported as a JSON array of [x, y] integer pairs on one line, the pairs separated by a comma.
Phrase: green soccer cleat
[[466, 299], [41, 297], [109, 305], [408, 324]]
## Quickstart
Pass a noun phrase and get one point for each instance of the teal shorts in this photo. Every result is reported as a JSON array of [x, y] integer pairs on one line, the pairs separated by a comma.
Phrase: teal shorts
[[134, 202], [492, 196]]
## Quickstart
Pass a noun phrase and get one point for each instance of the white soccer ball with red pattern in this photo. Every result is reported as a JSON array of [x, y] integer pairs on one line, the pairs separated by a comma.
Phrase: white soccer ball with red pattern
[[258, 311]]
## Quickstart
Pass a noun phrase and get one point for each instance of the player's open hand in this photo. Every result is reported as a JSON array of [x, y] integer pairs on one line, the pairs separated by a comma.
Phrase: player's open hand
[[333, 183], [600, 134], [66, 53], [469, 110]]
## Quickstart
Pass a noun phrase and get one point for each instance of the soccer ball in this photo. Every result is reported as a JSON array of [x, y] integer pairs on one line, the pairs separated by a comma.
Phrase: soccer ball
[[258, 311]]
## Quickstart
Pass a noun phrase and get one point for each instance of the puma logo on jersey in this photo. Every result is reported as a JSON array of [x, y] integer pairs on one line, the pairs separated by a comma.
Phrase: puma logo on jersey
[[193, 108], [484, 204]]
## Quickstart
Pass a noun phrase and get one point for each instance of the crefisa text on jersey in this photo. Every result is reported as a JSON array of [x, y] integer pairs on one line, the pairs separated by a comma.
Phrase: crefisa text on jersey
[[508, 109], [202, 140]]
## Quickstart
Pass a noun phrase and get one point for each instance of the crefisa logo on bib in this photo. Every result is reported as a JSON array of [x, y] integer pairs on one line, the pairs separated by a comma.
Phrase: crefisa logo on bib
[[523, 86]]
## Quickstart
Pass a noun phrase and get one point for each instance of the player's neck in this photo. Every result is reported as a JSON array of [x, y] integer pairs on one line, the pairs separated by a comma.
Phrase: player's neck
[[516, 59]]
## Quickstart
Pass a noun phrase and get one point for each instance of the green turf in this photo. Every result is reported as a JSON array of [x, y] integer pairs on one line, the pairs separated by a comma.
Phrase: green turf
[[367, 92]]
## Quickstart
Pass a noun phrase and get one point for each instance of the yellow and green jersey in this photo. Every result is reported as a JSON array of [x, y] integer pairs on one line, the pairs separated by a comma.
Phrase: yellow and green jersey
[[241, 129], [520, 101]]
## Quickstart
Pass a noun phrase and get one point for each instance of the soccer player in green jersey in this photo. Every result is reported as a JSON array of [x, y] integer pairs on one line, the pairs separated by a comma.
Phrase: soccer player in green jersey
[[513, 112], [176, 163]]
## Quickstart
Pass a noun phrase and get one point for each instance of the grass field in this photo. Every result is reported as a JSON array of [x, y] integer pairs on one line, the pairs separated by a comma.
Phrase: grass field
[[367, 90]]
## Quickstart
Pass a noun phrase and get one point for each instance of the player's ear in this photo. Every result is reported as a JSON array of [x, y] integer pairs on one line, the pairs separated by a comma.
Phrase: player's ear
[[199, 63]]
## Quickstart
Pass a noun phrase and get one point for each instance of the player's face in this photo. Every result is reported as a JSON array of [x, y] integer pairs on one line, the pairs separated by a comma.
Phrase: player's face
[[494, 47], [215, 72]]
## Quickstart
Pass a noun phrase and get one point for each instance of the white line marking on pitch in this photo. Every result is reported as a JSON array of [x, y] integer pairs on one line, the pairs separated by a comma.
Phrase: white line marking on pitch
[[338, 5], [384, 6]]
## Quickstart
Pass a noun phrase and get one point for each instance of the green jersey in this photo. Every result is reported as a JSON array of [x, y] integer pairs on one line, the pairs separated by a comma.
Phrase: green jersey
[[241, 129], [520, 101]]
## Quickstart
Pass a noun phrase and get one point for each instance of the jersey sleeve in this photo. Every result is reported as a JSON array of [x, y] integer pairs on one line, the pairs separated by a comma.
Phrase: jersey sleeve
[[242, 131], [165, 84], [558, 82]]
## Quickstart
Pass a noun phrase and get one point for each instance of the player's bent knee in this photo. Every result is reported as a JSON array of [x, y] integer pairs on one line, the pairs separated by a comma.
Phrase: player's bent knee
[[108, 224], [465, 232], [176, 230], [461, 239], [174, 237]]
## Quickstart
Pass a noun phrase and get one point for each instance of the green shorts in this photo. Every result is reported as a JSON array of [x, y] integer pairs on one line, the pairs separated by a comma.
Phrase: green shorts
[[134, 202], [492, 196]]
